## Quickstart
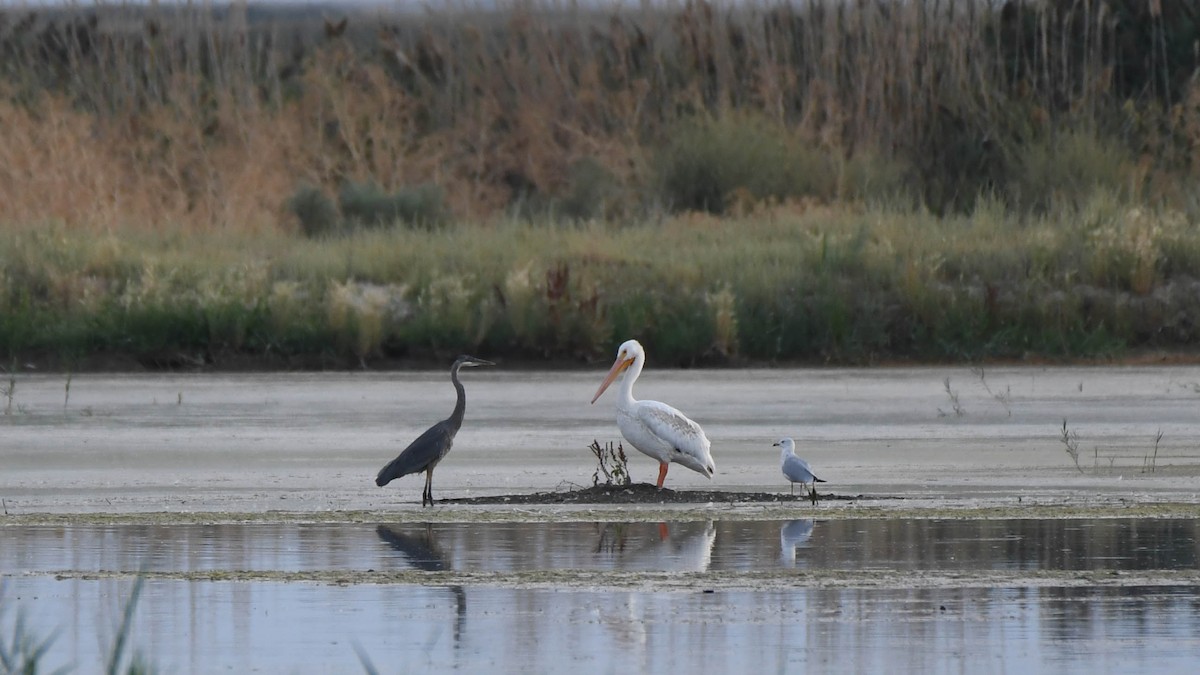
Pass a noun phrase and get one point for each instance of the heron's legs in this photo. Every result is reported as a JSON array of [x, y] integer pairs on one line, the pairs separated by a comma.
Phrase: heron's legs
[[662, 473], [427, 495]]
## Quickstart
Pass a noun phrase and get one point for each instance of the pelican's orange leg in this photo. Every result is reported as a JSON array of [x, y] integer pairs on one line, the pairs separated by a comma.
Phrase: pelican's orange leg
[[662, 473]]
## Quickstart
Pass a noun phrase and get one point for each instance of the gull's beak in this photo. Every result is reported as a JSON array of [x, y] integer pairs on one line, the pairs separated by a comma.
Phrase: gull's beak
[[618, 367], [776, 444]]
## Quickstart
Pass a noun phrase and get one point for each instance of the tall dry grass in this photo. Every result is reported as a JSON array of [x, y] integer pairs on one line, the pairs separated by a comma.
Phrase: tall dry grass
[[834, 180], [210, 119]]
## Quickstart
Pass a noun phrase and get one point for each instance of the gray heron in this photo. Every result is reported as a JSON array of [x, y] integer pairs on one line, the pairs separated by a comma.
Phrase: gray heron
[[655, 428], [796, 470], [431, 447]]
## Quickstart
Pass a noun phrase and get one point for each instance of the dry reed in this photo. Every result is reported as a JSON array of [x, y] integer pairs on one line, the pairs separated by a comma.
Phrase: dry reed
[[207, 118]]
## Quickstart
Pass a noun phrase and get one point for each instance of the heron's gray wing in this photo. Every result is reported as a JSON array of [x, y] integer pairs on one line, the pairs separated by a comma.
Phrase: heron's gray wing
[[420, 454]]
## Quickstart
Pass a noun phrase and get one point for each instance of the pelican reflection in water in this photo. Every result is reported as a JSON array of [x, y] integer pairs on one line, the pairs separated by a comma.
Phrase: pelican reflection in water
[[678, 547]]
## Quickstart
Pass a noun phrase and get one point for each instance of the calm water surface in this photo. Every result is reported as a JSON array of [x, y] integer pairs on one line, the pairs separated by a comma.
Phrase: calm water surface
[[1018, 544], [242, 626], [297, 627]]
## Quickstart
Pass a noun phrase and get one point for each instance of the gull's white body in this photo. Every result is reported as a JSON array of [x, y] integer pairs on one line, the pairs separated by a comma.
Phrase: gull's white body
[[652, 427], [794, 469]]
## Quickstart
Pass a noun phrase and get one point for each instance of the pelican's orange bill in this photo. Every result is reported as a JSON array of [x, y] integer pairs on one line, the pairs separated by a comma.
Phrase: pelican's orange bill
[[618, 367]]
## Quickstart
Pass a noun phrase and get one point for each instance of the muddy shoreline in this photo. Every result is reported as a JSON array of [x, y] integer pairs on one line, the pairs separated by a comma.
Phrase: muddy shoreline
[[496, 511]]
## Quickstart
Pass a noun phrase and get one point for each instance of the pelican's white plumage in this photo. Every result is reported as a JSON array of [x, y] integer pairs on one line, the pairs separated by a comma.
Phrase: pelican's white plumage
[[796, 470], [652, 427]]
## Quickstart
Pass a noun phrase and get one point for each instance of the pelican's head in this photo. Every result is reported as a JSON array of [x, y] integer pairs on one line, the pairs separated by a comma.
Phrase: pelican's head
[[627, 354], [787, 446]]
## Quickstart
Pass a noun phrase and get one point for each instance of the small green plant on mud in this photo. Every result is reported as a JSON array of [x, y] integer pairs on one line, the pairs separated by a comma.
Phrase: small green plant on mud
[[1070, 439], [611, 462]]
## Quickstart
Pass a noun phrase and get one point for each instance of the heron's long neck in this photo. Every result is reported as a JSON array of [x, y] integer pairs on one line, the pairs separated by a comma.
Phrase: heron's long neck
[[460, 407], [626, 391]]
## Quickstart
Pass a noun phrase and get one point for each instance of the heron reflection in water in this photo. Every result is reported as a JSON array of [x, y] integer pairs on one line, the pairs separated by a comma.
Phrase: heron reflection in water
[[423, 553], [431, 447]]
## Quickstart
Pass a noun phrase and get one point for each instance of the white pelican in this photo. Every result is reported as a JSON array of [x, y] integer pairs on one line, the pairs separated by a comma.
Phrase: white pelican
[[795, 469], [655, 428]]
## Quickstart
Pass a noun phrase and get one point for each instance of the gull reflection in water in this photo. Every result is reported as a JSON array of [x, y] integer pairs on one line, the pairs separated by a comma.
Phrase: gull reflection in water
[[422, 551], [794, 534]]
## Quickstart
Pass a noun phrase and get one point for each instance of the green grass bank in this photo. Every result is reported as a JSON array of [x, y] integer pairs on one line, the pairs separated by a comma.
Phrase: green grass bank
[[849, 285]]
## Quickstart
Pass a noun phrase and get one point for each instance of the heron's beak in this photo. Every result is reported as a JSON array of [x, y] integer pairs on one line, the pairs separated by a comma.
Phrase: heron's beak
[[618, 367]]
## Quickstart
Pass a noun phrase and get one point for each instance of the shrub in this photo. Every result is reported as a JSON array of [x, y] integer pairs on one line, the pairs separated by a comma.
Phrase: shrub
[[367, 205], [1065, 170], [592, 191], [317, 215], [875, 177], [706, 164]]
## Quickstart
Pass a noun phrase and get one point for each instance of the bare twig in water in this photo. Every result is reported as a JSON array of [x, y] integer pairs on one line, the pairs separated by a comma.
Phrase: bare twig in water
[[1071, 440], [118, 648], [1151, 461], [1003, 397], [364, 659], [22, 652], [959, 411], [67, 393], [11, 390]]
